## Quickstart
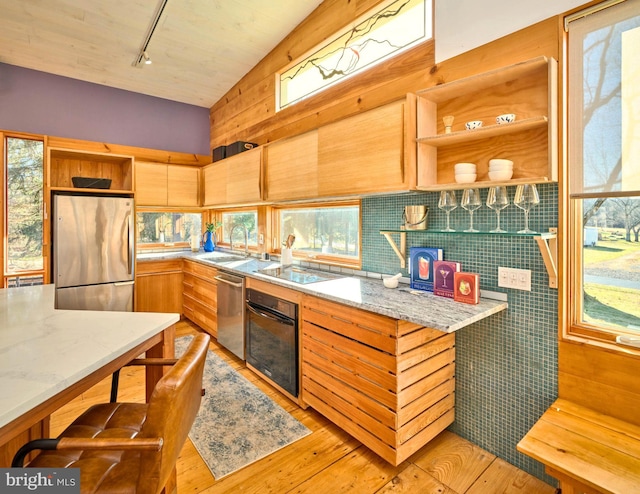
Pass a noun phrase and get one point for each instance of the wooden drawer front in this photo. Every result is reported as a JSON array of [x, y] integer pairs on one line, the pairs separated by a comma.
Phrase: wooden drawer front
[[392, 402], [201, 290], [201, 314], [206, 272], [164, 266]]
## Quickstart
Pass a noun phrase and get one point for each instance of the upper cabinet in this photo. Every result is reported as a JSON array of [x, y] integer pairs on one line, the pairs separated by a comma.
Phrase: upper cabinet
[[369, 152], [234, 181], [159, 184], [527, 89], [65, 164], [292, 168]]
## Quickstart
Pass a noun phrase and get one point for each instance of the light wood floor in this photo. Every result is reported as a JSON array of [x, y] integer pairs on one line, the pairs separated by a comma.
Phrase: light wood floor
[[328, 460]]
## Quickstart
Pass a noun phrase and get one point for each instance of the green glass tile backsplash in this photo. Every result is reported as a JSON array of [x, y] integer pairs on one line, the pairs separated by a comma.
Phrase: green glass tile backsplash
[[506, 364]]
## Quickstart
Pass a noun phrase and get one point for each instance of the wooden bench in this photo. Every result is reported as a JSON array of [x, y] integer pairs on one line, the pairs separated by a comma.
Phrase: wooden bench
[[588, 452]]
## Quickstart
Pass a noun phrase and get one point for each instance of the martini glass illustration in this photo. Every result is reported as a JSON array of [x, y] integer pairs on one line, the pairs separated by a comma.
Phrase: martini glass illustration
[[444, 272]]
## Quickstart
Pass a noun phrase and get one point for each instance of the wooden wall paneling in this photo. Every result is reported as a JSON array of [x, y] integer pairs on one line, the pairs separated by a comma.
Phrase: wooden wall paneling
[[605, 381]]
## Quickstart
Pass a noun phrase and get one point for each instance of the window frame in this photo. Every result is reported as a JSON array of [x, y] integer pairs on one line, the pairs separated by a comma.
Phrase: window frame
[[217, 216], [4, 194], [167, 245], [318, 258], [573, 327]]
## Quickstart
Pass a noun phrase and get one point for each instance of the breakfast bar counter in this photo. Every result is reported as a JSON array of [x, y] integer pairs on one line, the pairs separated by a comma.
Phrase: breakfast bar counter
[[49, 356]]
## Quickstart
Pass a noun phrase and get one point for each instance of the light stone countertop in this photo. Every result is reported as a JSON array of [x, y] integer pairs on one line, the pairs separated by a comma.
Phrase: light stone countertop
[[44, 351], [369, 294]]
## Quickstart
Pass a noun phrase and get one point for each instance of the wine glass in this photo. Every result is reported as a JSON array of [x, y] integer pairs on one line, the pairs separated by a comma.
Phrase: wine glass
[[498, 199], [526, 198], [448, 203], [471, 201]]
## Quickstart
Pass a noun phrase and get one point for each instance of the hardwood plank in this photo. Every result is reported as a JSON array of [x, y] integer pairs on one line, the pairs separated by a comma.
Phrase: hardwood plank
[[505, 478], [364, 467], [413, 480], [454, 461]]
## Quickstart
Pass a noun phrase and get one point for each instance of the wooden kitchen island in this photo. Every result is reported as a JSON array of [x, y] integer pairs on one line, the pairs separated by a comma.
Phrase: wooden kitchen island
[[49, 356]]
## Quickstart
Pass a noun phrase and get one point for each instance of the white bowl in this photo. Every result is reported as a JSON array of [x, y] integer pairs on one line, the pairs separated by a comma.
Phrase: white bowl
[[474, 124], [390, 282], [465, 167], [500, 164], [506, 118], [465, 178], [498, 175]]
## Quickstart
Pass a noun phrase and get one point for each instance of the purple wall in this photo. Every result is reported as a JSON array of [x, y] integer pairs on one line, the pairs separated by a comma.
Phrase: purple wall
[[42, 103]]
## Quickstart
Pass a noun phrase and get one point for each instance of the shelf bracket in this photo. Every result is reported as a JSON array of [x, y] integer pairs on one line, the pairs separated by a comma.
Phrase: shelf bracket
[[400, 252], [548, 245]]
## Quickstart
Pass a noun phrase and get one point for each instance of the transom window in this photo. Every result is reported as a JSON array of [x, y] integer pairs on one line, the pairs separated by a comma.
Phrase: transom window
[[377, 36]]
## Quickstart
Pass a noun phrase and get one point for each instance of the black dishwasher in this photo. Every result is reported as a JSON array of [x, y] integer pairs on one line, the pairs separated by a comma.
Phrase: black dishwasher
[[272, 338]]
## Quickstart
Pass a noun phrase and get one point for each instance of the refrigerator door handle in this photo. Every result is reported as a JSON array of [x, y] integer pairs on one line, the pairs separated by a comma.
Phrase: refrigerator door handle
[[124, 283], [130, 245]]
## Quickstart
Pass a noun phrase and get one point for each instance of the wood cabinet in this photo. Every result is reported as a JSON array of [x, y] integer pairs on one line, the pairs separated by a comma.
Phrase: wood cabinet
[[291, 168], [370, 152], [234, 181], [528, 89], [159, 184], [200, 296], [388, 383], [159, 286], [64, 164]]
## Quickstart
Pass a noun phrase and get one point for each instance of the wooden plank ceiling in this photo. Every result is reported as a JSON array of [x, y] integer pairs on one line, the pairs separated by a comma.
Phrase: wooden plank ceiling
[[199, 49]]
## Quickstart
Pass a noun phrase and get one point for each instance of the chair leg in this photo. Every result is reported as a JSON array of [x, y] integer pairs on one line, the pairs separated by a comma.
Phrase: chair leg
[[114, 386]]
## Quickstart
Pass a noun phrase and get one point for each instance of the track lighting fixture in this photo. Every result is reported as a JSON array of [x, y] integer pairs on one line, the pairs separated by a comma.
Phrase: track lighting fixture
[[143, 57]]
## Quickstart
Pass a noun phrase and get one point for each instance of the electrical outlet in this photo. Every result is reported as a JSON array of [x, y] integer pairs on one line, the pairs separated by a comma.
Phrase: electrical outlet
[[520, 279], [261, 239]]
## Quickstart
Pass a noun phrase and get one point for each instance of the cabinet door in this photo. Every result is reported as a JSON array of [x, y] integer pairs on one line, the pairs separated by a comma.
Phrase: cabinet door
[[151, 184], [215, 183], [182, 189], [159, 287], [244, 177], [292, 168], [363, 153]]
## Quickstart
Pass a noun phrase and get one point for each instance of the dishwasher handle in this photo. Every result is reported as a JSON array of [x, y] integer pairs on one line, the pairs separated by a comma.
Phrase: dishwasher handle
[[228, 282]]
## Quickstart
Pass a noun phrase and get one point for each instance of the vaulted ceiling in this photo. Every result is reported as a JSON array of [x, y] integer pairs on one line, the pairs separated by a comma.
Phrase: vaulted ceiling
[[199, 48]]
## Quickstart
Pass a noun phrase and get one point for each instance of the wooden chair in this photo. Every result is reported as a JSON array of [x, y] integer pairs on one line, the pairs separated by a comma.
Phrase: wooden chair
[[130, 447]]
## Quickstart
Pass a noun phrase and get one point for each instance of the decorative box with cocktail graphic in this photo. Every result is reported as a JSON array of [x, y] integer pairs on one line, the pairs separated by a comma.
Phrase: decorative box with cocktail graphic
[[443, 277], [466, 288], [421, 261]]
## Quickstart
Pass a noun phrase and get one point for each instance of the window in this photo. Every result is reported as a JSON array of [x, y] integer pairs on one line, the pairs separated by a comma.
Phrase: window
[[604, 171], [322, 232], [167, 229], [241, 220], [24, 221], [378, 36]]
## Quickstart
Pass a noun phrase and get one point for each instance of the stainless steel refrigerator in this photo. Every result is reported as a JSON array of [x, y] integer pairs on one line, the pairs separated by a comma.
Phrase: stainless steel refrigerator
[[93, 252]]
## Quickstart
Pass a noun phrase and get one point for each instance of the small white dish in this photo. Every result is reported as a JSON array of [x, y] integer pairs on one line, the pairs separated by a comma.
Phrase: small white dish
[[465, 178], [506, 118], [465, 168], [500, 164], [498, 175], [474, 124]]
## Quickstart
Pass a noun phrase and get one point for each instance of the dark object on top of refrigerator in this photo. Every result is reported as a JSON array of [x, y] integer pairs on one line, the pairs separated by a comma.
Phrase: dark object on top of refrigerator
[[93, 252]]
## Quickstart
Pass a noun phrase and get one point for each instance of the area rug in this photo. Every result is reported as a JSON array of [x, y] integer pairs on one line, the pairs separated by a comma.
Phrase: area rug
[[237, 423]]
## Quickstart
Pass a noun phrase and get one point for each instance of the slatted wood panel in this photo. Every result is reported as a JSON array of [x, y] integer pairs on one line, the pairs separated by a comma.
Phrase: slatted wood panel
[[200, 296], [388, 383]]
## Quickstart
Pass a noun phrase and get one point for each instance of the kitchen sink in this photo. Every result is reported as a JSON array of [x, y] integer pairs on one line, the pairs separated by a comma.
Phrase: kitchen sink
[[220, 257]]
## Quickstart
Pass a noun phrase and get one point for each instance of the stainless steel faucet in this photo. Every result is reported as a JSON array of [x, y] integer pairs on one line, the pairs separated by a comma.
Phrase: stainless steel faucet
[[246, 238]]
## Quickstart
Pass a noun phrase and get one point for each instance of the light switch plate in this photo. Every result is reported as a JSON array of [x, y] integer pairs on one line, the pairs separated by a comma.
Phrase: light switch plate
[[520, 279]]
